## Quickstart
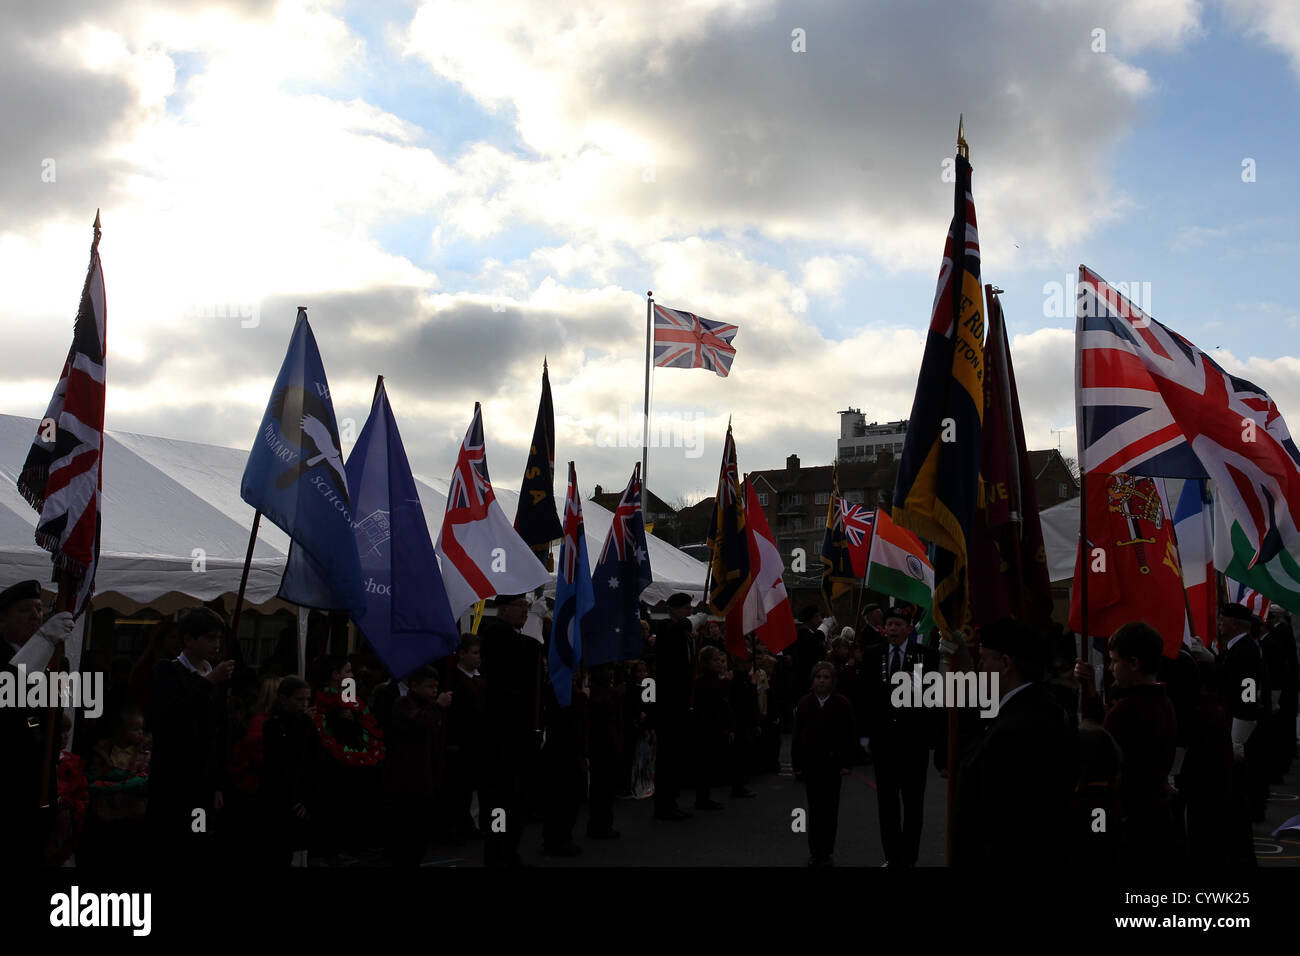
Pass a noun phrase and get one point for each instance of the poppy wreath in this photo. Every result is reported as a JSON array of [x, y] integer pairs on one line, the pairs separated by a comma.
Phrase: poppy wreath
[[371, 738]]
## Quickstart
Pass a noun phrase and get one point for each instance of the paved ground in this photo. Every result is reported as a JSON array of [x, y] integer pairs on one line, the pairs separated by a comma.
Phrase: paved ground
[[757, 832]]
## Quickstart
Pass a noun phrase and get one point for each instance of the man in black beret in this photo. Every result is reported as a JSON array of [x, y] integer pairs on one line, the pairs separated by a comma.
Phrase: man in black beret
[[20, 615], [25, 641], [1019, 772]]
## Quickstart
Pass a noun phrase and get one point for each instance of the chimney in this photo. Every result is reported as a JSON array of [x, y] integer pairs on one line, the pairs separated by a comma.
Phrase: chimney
[[792, 463], [597, 495]]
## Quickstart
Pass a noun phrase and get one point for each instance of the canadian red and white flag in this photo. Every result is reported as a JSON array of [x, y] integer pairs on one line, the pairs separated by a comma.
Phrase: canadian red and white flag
[[765, 608], [478, 548]]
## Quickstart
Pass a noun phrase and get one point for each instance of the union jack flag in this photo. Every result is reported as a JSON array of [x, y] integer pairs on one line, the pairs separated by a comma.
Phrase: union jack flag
[[471, 488], [858, 524], [684, 340], [627, 530], [1152, 403], [62, 477]]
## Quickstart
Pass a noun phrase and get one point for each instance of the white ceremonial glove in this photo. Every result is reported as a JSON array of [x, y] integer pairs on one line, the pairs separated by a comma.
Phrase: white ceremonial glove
[[865, 744], [1241, 731], [536, 614], [698, 620], [948, 648], [36, 653], [1180, 754], [827, 624]]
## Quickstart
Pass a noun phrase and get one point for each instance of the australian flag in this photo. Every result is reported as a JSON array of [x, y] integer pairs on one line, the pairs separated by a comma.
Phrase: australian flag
[[612, 632], [573, 597], [408, 619], [295, 473]]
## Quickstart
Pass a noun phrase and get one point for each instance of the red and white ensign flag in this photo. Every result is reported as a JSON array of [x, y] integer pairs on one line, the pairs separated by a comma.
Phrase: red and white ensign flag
[[480, 552]]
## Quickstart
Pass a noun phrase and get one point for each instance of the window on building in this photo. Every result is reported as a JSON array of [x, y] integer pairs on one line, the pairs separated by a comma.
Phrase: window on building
[[797, 524], [898, 446], [1060, 490], [823, 498], [853, 496], [794, 499], [762, 498]]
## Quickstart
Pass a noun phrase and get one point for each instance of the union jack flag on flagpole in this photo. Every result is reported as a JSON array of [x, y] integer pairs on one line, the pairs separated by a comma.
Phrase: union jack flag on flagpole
[[63, 475], [858, 524], [684, 340], [1152, 403]]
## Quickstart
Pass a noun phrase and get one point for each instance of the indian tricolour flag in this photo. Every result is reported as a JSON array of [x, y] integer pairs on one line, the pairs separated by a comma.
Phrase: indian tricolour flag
[[898, 566]]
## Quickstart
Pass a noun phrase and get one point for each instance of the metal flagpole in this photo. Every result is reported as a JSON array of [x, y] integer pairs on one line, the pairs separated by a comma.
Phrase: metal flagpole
[[645, 420]]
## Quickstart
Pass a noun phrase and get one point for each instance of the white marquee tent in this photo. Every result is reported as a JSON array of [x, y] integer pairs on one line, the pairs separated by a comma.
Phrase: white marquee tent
[[168, 502]]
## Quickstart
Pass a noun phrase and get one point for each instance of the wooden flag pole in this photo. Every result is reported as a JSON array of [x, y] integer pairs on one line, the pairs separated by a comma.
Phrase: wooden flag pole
[[243, 586], [1085, 649], [954, 724], [64, 600]]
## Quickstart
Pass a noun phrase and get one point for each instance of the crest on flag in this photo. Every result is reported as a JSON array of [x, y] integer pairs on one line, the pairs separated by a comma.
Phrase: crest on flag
[[1152, 403]]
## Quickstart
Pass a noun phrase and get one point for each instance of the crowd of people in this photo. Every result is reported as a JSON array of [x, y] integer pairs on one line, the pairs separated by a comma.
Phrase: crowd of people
[[200, 759]]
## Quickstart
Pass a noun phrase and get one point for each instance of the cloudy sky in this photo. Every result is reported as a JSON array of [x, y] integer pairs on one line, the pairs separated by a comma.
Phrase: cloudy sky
[[457, 189]]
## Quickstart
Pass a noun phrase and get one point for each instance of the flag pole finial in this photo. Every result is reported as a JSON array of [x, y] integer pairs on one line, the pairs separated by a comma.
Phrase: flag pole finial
[[963, 148], [379, 383], [95, 240]]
